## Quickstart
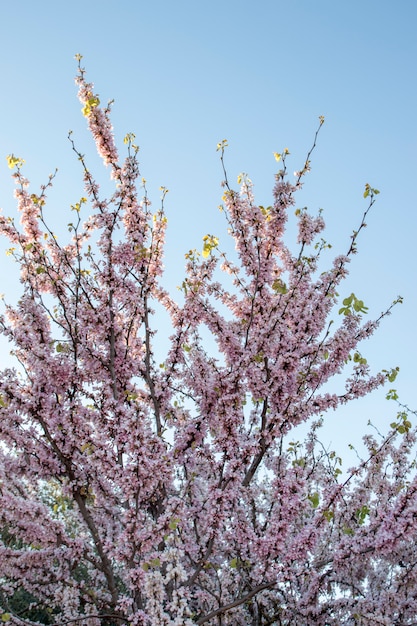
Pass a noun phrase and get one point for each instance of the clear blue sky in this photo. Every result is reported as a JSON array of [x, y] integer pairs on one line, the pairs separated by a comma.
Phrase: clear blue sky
[[187, 74]]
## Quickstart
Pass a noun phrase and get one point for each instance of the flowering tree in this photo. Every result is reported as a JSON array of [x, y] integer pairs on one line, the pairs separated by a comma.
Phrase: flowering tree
[[134, 492]]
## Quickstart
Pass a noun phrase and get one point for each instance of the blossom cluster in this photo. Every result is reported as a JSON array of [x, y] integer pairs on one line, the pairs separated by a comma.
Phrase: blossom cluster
[[146, 493]]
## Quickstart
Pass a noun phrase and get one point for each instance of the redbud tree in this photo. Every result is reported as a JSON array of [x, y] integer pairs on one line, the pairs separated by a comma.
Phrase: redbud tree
[[147, 493]]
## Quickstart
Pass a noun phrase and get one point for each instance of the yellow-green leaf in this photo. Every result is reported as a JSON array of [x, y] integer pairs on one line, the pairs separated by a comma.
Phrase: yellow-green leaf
[[314, 499], [174, 523], [12, 161]]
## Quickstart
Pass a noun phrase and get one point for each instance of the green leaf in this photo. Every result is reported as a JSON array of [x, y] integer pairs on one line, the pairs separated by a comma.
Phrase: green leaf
[[393, 374], [314, 499], [279, 286], [362, 513], [358, 358], [299, 462], [233, 563], [173, 524], [370, 191], [352, 302]]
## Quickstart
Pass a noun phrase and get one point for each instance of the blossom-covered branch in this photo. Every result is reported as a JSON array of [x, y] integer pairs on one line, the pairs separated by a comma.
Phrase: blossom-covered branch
[[174, 493]]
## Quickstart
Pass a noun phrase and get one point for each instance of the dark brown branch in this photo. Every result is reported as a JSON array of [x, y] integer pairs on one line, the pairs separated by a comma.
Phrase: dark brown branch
[[238, 602]]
